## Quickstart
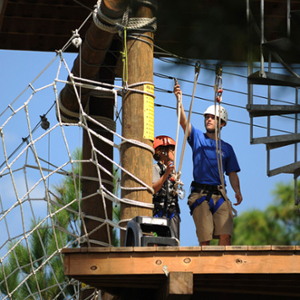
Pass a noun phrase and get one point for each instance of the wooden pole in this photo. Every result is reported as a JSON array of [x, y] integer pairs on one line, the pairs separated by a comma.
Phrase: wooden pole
[[138, 161], [94, 206], [94, 49]]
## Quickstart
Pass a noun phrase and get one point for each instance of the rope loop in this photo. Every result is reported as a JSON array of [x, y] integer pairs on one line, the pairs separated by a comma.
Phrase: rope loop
[[118, 25]]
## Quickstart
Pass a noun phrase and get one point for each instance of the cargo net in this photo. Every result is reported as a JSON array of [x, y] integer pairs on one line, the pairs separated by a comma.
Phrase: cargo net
[[41, 189]]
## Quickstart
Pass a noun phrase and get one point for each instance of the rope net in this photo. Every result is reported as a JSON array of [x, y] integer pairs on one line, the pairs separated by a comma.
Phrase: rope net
[[41, 193]]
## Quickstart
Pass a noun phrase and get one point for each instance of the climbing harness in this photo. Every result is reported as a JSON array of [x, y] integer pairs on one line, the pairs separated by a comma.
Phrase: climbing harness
[[165, 202], [209, 190], [213, 207]]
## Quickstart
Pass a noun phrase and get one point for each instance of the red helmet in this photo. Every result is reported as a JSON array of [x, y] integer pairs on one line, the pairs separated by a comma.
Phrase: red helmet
[[162, 140]]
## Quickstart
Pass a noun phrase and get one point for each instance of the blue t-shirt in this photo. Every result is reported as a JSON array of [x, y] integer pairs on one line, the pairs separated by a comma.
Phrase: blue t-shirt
[[205, 162]]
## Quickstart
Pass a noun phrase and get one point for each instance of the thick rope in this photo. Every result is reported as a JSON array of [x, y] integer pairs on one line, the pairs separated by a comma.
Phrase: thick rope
[[197, 71], [218, 88], [118, 25], [179, 104]]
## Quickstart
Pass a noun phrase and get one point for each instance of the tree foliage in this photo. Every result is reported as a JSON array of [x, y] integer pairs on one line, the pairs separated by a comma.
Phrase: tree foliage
[[278, 224], [32, 269], [34, 266]]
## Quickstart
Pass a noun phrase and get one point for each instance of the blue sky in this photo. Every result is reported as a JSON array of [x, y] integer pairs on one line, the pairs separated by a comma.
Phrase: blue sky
[[18, 69]]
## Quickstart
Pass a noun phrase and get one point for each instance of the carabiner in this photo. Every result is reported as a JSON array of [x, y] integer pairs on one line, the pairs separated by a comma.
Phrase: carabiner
[[197, 67], [219, 69]]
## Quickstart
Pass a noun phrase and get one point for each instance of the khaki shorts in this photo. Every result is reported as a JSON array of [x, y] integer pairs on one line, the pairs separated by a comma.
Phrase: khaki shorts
[[210, 226]]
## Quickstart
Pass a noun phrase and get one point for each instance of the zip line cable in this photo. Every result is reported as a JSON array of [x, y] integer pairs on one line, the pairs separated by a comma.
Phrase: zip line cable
[[234, 121], [160, 75], [156, 104], [161, 105]]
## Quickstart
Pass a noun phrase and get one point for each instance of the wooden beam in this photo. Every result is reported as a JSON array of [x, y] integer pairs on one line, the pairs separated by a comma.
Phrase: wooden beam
[[151, 260], [94, 49], [223, 270], [178, 286]]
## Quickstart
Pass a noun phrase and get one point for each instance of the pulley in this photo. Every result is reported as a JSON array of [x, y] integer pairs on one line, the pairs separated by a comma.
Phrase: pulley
[[45, 123]]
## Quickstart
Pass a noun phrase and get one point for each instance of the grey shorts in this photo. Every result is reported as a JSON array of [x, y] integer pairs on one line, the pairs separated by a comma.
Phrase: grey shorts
[[210, 226]]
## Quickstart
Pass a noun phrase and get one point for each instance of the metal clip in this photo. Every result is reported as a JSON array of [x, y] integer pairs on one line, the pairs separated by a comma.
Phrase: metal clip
[[165, 269], [197, 67], [219, 69], [76, 39]]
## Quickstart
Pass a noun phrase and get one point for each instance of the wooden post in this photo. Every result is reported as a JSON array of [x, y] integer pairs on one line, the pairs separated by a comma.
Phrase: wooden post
[[94, 49], [137, 160], [94, 206], [177, 286]]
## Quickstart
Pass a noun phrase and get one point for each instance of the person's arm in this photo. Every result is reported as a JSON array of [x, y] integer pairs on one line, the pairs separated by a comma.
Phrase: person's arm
[[159, 183], [235, 184], [183, 120]]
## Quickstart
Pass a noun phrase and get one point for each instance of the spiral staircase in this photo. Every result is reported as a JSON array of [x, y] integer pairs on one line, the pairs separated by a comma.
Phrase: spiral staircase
[[283, 52]]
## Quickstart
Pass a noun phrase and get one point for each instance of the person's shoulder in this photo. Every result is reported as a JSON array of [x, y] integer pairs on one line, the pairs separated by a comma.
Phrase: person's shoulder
[[195, 130], [227, 145], [156, 168]]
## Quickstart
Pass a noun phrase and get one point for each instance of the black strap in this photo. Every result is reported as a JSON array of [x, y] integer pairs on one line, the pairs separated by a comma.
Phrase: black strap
[[206, 187]]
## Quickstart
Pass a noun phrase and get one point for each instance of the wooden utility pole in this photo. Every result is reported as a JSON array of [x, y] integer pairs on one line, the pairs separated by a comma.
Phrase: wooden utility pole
[[102, 106], [135, 159], [94, 206], [94, 49], [90, 66]]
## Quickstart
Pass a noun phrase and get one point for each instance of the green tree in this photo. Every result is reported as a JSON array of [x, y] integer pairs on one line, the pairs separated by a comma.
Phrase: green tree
[[31, 267], [285, 212], [256, 227], [70, 189], [278, 224], [32, 270]]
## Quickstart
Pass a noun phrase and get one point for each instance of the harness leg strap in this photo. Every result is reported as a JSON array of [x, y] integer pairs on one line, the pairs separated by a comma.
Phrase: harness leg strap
[[213, 207]]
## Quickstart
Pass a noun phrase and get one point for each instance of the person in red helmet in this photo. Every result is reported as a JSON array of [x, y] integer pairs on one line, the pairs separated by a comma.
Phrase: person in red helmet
[[165, 198]]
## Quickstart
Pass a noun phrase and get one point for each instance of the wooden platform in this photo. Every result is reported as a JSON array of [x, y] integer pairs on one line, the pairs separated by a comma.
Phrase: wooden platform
[[207, 272]]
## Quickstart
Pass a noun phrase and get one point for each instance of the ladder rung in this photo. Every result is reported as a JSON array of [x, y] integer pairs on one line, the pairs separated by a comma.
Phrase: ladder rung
[[257, 110], [267, 78], [293, 168], [277, 141], [284, 47]]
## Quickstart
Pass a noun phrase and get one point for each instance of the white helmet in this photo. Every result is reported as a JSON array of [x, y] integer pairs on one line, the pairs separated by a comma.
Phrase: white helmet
[[223, 112]]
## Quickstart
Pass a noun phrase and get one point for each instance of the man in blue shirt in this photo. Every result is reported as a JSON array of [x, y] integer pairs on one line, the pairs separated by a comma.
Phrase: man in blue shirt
[[208, 202]]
